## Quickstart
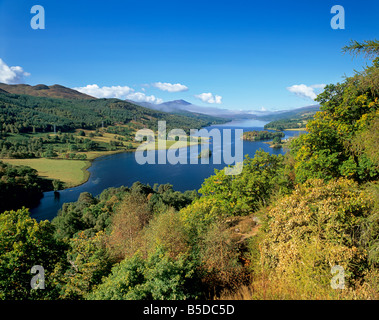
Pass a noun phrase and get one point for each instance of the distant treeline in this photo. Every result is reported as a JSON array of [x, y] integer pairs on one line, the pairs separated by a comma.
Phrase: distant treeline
[[290, 123]]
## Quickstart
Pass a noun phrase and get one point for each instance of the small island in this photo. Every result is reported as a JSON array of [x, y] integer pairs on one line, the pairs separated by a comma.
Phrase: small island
[[205, 154], [261, 135]]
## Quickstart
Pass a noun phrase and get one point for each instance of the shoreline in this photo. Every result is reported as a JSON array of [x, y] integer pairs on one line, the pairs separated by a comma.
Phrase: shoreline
[[91, 157], [85, 171], [67, 184], [296, 129], [291, 129], [87, 174], [88, 165]]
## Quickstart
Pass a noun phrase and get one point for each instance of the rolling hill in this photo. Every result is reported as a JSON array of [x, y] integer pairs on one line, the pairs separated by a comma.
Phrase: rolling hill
[[41, 90]]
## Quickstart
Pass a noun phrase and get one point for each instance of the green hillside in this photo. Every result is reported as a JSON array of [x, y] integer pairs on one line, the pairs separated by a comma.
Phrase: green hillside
[[25, 114]]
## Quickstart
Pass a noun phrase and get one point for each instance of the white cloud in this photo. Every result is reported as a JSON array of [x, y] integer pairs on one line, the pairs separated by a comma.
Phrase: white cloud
[[177, 87], [304, 91], [141, 97], [12, 75], [209, 98], [105, 92], [119, 92]]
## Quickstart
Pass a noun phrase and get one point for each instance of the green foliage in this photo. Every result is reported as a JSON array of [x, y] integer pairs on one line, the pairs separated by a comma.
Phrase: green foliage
[[88, 214], [277, 140], [370, 48], [247, 192], [160, 277], [93, 214], [88, 261], [20, 186], [23, 244], [330, 150], [57, 185]]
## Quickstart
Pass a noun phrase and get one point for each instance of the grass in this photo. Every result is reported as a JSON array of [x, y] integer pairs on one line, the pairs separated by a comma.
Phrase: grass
[[70, 172]]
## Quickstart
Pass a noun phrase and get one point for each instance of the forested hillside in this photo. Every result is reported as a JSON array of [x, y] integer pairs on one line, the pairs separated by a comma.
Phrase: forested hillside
[[276, 231], [26, 114]]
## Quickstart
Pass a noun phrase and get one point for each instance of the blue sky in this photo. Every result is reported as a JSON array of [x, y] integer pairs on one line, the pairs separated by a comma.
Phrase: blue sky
[[248, 55]]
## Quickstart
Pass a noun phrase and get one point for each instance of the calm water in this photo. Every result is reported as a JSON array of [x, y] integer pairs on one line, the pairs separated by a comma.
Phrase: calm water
[[123, 170]]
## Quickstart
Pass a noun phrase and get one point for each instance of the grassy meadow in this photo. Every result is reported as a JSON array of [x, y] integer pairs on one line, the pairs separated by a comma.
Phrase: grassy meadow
[[70, 172]]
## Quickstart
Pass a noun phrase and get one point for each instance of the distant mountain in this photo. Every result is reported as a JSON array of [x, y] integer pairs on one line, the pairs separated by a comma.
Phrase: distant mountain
[[176, 104], [181, 106], [290, 114], [41, 90], [169, 106]]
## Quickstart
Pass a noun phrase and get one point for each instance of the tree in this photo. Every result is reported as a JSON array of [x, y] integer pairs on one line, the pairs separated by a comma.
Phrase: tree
[[329, 150], [159, 277], [369, 48], [130, 218], [277, 140], [243, 194], [16, 180], [25, 243], [88, 263], [57, 185]]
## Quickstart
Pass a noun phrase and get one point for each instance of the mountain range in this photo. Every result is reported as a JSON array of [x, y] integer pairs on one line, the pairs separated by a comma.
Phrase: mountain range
[[182, 106], [176, 106]]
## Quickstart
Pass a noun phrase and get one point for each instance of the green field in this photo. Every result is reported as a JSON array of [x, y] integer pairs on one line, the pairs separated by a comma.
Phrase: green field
[[71, 172]]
